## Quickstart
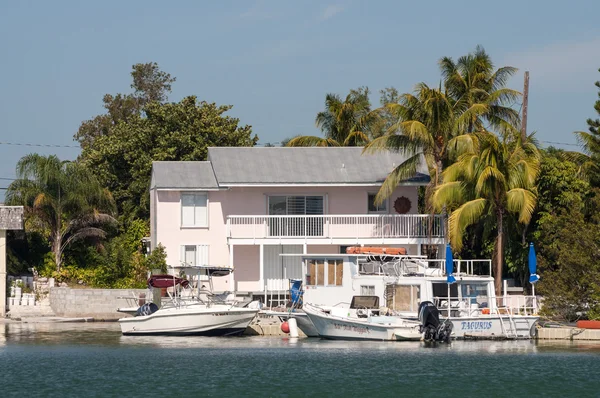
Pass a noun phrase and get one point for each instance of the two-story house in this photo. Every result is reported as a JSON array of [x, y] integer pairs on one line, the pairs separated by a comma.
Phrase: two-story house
[[243, 207]]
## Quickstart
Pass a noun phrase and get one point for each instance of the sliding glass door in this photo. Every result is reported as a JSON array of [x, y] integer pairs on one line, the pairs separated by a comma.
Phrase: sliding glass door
[[301, 206]]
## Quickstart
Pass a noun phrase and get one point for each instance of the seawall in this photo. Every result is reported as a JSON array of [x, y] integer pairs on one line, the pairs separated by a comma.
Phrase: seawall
[[100, 304], [568, 333]]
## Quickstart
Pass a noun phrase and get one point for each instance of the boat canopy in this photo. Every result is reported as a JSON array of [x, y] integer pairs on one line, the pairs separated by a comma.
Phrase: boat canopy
[[163, 281], [211, 270]]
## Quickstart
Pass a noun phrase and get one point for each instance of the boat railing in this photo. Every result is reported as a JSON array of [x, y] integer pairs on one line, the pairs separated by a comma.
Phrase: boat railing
[[487, 305], [396, 266]]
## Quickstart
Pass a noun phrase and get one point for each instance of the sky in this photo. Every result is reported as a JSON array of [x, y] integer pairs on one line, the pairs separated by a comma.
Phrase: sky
[[274, 61]]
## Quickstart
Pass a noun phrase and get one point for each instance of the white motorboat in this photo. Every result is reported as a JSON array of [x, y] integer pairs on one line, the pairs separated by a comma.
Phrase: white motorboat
[[361, 321], [404, 282], [188, 314]]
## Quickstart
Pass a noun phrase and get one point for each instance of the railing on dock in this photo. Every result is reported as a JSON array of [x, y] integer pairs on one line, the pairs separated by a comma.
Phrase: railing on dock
[[488, 305]]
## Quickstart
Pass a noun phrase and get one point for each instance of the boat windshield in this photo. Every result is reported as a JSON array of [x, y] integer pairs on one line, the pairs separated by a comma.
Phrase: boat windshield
[[364, 302], [477, 293]]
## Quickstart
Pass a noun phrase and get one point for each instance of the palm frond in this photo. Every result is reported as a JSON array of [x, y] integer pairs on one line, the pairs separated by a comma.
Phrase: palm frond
[[462, 217], [522, 202], [402, 172], [309, 140]]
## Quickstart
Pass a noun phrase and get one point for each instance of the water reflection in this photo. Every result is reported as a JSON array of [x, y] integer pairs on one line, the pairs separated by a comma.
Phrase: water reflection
[[108, 334]]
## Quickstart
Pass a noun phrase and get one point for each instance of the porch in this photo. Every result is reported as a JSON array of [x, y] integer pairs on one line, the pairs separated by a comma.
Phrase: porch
[[336, 229]]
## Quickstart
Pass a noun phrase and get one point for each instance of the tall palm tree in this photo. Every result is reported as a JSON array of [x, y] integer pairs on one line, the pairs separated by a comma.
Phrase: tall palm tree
[[589, 160], [427, 121], [345, 123], [61, 198], [492, 177], [472, 80]]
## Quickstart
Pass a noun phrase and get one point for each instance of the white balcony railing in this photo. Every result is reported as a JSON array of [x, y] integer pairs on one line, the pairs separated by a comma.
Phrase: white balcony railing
[[336, 226]]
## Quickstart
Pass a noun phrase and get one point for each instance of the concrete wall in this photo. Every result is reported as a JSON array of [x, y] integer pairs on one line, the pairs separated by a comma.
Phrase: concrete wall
[[101, 304]]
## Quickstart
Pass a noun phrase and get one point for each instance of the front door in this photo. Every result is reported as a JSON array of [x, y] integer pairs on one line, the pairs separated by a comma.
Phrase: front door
[[277, 270]]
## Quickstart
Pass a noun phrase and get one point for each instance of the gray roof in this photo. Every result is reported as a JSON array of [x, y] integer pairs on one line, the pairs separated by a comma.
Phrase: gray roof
[[305, 165], [192, 174]]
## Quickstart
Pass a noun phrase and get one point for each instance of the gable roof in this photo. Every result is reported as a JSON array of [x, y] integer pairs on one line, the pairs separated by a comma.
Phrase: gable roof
[[305, 165], [183, 174], [235, 166]]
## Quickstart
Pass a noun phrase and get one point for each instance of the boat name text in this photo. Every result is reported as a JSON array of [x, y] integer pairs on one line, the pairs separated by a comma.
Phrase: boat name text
[[475, 325]]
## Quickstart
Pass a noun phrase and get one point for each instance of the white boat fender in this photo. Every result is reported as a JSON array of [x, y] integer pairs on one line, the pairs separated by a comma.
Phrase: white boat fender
[[293, 327]]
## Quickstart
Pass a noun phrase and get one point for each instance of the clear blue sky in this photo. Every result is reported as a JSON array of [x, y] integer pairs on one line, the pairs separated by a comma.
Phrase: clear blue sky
[[275, 60]]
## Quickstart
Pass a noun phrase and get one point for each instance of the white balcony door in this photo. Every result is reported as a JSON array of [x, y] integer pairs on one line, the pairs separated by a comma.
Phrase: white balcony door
[[302, 207], [278, 269]]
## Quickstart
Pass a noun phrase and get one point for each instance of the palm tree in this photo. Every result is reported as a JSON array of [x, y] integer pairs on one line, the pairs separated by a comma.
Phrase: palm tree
[[345, 123], [491, 177], [589, 161], [427, 121], [472, 80], [61, 198]]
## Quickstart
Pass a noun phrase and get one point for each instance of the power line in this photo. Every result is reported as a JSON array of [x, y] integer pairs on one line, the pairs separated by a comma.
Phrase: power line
[[39, 145], [559, 143]]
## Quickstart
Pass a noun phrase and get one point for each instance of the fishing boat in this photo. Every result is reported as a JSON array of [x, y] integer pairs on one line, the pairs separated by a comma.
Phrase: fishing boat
[[190, 310], [461, 290], [362, 321]]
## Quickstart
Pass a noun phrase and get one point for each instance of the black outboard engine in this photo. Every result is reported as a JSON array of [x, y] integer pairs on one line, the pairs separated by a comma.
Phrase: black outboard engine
[[431, 327]]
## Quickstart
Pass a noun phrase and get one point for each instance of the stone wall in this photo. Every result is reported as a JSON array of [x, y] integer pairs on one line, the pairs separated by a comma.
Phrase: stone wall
[[100, 304]]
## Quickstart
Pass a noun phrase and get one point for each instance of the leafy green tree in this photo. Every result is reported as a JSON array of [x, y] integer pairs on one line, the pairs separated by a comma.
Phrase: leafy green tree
[[123, 159], [569, 260], [344, 122], [63, 200], [149, 84], [491, 178], [590, 140], [472, 83]]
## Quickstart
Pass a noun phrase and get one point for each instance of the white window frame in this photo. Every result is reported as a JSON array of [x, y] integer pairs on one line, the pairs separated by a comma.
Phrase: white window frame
[[200, 249], [327, 265], [326, 262], [365, 287], [194, 194], [385, 204], [288, 195]]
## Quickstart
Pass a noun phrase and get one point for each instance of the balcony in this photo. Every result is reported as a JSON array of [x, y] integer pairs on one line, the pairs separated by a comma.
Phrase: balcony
[[373, 228]]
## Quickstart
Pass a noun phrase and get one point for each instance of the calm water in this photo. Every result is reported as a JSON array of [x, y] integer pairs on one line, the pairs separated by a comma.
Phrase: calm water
[[95, 360]]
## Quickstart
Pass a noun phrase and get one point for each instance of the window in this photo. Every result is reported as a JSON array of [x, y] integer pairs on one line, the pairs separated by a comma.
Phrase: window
[[368, 290], [403, 297], [295, 205], [328, 272], [194, 212], [303, 206], [194, 255], [335, 269], [382, 208]]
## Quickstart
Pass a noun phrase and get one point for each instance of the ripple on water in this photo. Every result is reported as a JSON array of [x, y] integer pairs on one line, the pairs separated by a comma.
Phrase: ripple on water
[[95, 359]]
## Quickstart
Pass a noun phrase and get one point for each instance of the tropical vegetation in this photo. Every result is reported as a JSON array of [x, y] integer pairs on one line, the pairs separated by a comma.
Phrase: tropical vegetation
[[85, 220]]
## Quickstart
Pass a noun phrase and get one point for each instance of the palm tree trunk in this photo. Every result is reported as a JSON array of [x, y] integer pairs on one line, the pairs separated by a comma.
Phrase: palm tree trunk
[[499, 260], [56, 245]]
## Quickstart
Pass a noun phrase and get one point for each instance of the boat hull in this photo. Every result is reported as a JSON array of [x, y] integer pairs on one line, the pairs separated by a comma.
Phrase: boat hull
[[302, 320], [492, 327], [342, 328], [211, 321]]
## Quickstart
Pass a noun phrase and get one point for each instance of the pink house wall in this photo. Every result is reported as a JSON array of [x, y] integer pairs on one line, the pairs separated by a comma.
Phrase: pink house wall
[[251, 201]]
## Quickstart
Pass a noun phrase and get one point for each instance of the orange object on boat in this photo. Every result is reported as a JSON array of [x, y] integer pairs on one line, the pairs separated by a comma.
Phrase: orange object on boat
[[485, 311], [376, 250], [588, 324]]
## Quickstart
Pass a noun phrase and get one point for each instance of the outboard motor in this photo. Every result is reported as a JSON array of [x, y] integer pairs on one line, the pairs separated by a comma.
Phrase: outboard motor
[[431, 327]]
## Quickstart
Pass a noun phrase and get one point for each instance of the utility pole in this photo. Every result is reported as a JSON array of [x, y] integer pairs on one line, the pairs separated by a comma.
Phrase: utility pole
[[525, 102]]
